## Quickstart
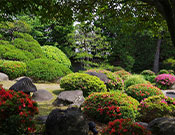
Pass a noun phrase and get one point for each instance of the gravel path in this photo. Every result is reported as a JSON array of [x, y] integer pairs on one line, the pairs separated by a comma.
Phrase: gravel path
[[46, 86]]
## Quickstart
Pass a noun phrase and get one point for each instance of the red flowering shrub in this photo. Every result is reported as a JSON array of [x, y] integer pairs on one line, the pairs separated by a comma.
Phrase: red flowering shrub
[[165, 81], [155, 107], [114, 83], [123, 74], [141, 91], [108, 106], [13, 68], [16, 113], [125, 127]]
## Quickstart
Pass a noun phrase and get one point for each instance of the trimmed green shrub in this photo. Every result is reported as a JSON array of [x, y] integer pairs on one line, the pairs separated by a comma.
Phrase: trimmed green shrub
[[171, 72], [165, 81], [147, 72], [15, 55], [108, 106], [163, 71], [141, 91], [125, 127], [13, 69], [53, 53], [1, 62], [27, 43], [3, 42], [134, 79], [114, 83], [46, 70], [109, 67], [17, 111], [84, 82], [4, 49], [155, 107], [123, 74]]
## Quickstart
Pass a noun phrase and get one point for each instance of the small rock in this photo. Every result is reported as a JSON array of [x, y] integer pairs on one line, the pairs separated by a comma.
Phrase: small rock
[[3, 77], [42, 119], [19, 78], [101, 76], [42, 95], [25, 85], [74, 97]]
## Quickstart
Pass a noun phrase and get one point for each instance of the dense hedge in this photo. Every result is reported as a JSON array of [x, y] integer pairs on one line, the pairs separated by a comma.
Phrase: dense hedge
[[108, 106], [155, 107], [53, 53], [45, 69], [84, 82], [13, 68]]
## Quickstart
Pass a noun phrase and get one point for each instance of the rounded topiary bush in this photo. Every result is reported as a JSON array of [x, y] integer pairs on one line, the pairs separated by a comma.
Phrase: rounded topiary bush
[[17, 111], [165, 81], [125, 127], [155, 107], [114, 81], [84, 82], [13, 69], [46, 70], [53, 53], [123, 74], [134, 79], [26, 42], [141, 91], [163, 71], [108, 106], [147, 72]]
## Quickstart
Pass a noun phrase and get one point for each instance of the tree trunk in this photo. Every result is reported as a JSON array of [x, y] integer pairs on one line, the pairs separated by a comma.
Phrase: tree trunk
[[157, 55]]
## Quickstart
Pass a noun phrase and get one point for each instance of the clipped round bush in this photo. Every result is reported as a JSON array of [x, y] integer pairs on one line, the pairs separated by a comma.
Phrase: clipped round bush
[[163, 71], [165, 81], [114, 81], [46, 70], [171, 72], [4, 49], [15, 55], [13, 69], [123, 74], [108, 106], [155, 107], [84, 82], [147, 72], [141, 91], [134, 79], [26, 42], [17, 111], [53, 53], [125, 127]]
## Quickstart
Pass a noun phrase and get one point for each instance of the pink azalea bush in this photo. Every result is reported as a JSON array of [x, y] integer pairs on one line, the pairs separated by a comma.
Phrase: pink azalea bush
[[165, 81]]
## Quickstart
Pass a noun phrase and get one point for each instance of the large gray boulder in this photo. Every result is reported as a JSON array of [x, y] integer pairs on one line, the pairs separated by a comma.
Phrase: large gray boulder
[[66, 122], [162, 126], [73, 97], [42, 95], [3, 77], [25, 85], [101, 76]]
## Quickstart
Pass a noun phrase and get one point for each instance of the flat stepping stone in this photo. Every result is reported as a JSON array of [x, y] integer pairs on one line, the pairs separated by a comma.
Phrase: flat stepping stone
[[42, 95]]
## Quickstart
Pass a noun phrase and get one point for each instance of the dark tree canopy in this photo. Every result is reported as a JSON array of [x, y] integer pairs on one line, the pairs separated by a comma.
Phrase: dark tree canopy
[[65, 10]]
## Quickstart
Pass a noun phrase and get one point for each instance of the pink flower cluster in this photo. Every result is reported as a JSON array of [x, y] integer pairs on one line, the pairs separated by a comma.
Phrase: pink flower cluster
[[165, 79]]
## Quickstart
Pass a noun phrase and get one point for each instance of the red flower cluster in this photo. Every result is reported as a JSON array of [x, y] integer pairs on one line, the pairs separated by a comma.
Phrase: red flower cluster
[[18, 109], [125, 127]]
